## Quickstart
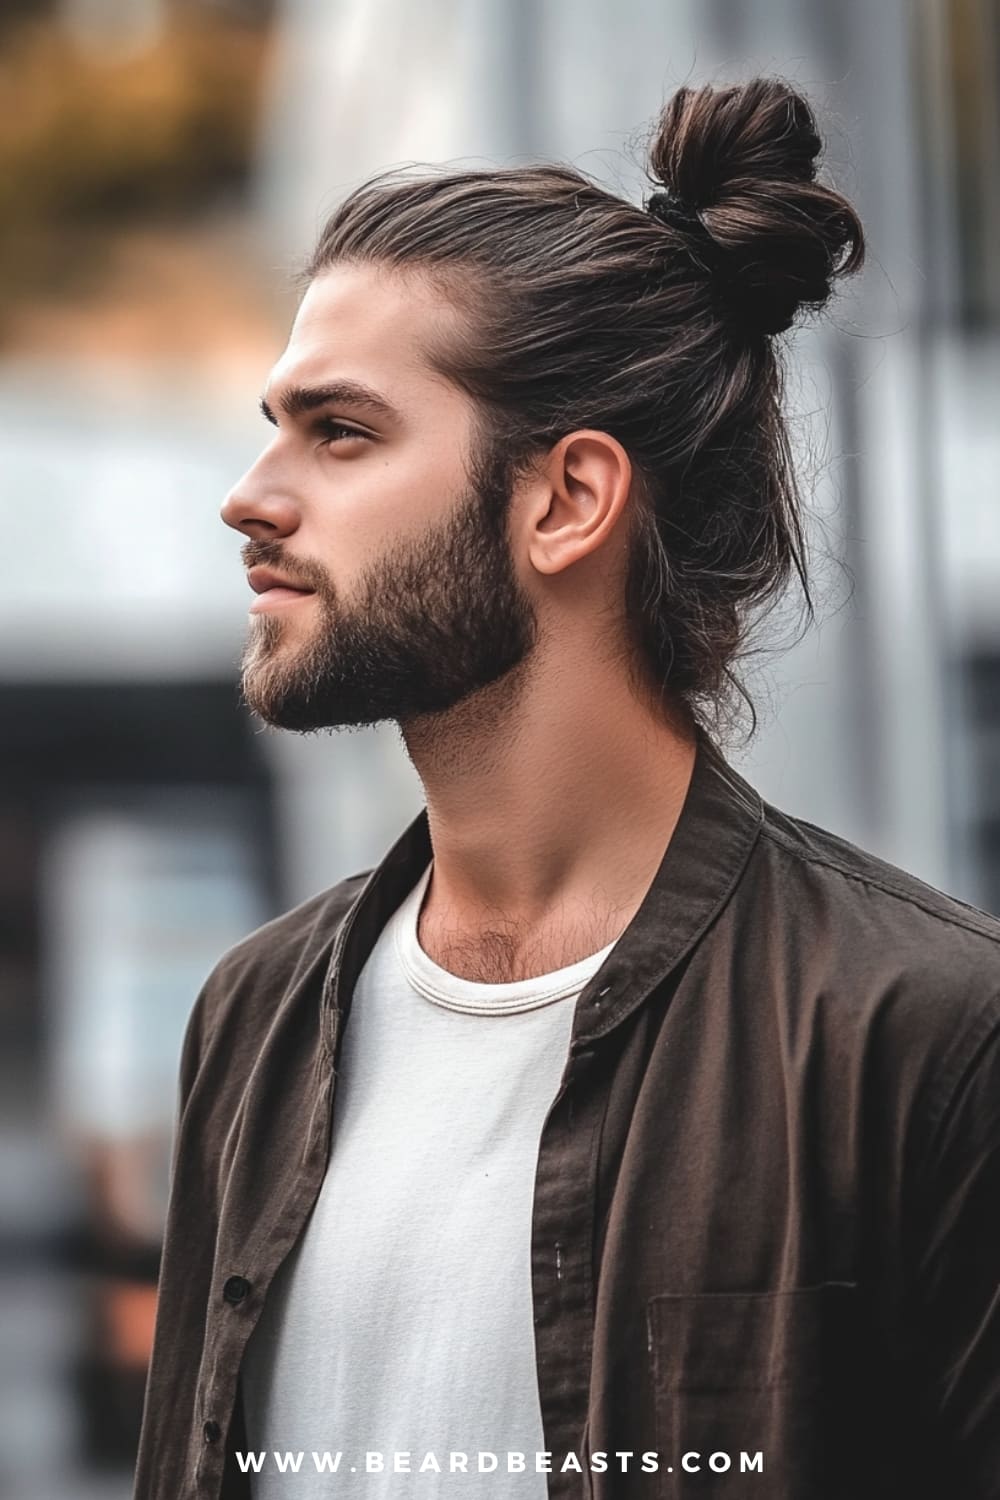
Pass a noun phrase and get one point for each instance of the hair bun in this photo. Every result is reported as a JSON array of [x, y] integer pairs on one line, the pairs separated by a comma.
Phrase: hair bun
[[744, 160]]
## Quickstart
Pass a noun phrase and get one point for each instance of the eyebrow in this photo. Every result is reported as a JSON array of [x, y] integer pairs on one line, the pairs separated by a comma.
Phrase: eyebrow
[[297, 400]]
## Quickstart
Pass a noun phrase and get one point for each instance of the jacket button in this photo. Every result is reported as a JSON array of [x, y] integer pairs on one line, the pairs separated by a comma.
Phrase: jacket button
[[235, 1289], [212, 1431]]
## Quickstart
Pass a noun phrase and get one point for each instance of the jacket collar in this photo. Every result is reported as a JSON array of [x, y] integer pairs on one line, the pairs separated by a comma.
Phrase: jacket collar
[[718, 826]]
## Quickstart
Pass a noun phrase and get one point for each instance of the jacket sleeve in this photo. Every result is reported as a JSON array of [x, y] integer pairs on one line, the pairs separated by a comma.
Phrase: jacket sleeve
[[954, 1301], [158, 1428]]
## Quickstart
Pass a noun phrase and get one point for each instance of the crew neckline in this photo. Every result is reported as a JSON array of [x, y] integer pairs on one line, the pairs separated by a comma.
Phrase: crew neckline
[[473, 996]]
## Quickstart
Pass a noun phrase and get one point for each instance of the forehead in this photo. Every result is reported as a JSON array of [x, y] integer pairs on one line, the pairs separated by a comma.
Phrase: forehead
[[368, 323]]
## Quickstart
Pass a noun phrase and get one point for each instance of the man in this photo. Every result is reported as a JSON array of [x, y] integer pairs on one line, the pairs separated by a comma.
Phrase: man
[[617, 1135]]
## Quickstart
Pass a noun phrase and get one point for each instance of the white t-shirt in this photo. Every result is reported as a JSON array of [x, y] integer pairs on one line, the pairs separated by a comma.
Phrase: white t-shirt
[[402, 1320]]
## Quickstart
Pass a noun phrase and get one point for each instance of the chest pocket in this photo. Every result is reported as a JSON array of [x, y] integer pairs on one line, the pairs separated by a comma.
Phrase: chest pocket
[[748, 1373]]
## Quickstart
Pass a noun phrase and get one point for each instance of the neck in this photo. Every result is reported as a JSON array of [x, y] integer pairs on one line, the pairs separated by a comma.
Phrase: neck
[[554, 789]]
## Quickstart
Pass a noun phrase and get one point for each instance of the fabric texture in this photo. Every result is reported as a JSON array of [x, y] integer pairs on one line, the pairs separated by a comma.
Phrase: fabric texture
[[765, 1202]]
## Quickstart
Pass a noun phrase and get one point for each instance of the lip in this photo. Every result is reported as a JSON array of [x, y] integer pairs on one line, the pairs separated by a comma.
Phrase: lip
[[274, 590], [278, 598], [263, 579]]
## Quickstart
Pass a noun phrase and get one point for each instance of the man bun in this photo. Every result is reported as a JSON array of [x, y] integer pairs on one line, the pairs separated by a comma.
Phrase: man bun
[[738, 166]]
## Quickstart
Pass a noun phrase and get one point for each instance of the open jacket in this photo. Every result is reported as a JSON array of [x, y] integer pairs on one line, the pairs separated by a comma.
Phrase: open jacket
[[767, 1203]]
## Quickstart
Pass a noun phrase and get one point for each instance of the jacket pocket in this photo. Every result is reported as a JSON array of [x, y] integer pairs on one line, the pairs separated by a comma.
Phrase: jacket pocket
[[752, 1393]]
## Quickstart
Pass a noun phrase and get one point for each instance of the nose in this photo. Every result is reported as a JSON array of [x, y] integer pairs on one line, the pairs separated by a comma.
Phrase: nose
[[258, 508]]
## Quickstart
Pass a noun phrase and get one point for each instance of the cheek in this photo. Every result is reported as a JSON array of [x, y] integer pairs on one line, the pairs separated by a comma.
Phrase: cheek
[[364, 517], [356, 511]]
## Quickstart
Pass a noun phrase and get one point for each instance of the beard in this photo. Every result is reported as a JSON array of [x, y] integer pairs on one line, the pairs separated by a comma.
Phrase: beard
[[436, 619]]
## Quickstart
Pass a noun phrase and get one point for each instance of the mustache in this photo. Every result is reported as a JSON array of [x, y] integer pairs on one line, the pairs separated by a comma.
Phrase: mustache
[[267, 554]]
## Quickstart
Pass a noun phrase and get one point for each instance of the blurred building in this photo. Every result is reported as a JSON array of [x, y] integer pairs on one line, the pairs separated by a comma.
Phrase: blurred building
[[172, 160]]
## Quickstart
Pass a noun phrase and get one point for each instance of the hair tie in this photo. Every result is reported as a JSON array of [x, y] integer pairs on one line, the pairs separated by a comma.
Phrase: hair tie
[[672, 211], [704, 250]]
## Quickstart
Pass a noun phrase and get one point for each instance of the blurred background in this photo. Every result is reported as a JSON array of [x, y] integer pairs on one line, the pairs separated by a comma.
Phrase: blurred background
[[164, 165]]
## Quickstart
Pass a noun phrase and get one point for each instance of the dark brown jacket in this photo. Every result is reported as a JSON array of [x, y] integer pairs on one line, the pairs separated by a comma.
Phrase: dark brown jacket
[[767, 1203]]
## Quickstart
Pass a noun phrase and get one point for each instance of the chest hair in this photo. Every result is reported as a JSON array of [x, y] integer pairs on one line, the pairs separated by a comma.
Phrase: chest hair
[[507, 952]]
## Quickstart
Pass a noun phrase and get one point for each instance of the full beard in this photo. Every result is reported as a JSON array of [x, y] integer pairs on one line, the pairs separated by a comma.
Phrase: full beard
[[436, 620]]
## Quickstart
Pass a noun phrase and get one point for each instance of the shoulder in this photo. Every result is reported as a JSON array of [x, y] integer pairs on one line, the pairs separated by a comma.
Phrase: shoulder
[[248, 981], [871, 899], [876, 955], [288, 943]]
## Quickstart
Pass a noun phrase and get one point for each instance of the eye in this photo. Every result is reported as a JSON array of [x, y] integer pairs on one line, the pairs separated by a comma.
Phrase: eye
[[333, 431]]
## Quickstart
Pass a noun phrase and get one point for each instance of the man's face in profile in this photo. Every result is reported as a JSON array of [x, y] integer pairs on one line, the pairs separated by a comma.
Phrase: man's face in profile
[[373, 500]]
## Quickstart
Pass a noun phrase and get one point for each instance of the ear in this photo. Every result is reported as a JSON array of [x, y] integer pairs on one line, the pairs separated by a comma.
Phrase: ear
[[577, 500]]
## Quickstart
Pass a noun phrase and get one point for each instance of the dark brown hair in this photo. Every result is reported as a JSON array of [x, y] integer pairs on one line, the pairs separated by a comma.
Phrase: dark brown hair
[[653, 324]]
